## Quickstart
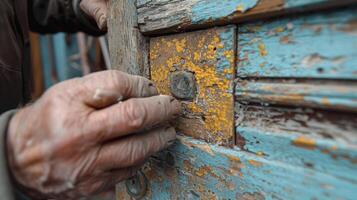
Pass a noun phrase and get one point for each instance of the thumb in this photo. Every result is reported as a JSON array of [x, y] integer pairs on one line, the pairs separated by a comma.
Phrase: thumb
[[98, 10]]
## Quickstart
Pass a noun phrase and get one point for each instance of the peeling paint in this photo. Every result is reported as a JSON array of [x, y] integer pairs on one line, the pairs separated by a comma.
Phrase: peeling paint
[[207, 10], [304, 142], [210, 56]]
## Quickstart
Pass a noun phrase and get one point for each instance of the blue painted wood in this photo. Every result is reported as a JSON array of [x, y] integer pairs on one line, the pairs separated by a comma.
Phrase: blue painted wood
[[318, 94], [205, 10], [159, 16], [310, 46], [203, 171]]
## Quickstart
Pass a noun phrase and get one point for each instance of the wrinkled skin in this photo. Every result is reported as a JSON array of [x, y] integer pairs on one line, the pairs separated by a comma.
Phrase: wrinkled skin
[[98, 10], [86, 134]]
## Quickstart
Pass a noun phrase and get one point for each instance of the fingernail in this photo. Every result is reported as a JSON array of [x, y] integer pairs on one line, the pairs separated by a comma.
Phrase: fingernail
[[171, 142], [102, 22], [170, 134], [153, 88], [176, 105]]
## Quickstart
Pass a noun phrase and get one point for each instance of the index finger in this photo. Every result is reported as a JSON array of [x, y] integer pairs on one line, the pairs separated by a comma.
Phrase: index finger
[[132, 116], [105, 88]]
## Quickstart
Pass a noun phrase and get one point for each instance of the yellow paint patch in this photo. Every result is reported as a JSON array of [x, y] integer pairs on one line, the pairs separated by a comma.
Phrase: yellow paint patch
[[304, 142], [180, 45], [262, 49], [198, 53]]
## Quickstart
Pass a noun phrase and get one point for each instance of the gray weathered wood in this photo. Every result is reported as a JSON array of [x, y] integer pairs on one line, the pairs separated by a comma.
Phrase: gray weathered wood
[[128, 48], [156, 17]]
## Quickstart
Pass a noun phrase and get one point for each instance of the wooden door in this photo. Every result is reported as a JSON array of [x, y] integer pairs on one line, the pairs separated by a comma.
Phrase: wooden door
[[269, 89]]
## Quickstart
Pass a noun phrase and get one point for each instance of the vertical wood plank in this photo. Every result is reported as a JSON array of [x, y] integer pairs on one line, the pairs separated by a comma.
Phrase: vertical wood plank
[[128, 48]]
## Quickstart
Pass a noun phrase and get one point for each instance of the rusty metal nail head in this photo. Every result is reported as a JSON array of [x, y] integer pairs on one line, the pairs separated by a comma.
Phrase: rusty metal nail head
[[183, 85]]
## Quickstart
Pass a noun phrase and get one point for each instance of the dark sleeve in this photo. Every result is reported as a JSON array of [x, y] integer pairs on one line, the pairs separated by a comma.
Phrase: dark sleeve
[[51, 16], [6, 190]]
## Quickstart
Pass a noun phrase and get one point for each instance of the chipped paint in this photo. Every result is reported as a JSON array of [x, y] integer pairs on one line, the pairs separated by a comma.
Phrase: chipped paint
[[304, 142], [255, 163], [205, 10], [210, 55], [198, 175], [300, 47]]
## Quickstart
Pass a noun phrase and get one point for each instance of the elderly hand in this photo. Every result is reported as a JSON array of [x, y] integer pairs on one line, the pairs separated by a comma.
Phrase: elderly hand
[[98, 10], [87, 134]]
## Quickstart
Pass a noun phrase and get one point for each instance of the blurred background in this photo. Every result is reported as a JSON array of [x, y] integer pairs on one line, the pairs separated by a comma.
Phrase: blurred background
[[62, 56]]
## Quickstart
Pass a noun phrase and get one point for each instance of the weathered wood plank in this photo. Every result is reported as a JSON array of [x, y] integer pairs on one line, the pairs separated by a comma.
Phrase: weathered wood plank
[[322, 45], [317, 124], [320, 140], [128, 47], [315, 94], [159, 16], [203, 171], [210, 57]]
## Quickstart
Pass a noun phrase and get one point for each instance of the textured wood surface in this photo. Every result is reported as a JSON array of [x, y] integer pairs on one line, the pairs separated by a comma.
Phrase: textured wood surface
[[332, 95], [128, 48], [321, 45], [204, 171], [210, 56], [159, 16], [296, 130]]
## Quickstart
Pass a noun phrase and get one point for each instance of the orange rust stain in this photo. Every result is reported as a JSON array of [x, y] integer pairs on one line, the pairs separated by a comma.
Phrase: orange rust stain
[[325, 101], [203, 171], [255, 163], [304, 142]]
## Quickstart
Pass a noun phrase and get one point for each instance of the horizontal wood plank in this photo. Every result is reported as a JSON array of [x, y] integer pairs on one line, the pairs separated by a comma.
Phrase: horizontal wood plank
[[315, 94], [322, 45], [203, 171], [165, 16]]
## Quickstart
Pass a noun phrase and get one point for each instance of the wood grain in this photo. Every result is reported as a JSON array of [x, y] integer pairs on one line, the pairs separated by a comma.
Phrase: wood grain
[[320, 45], [205, 171], [128, 48], [336, 95], [162, 16]]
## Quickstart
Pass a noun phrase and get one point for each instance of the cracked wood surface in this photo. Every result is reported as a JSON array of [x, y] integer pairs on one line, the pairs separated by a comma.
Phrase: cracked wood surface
[[156, 17]]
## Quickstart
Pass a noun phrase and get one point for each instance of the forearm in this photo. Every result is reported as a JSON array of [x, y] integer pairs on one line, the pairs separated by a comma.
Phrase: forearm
[[60, 16]]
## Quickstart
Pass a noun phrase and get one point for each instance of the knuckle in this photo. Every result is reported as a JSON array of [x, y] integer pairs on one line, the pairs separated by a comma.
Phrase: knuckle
[[135, 114]]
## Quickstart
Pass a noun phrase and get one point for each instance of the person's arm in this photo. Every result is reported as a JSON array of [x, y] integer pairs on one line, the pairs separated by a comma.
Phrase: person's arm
[[60, 16], [6, 191]]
